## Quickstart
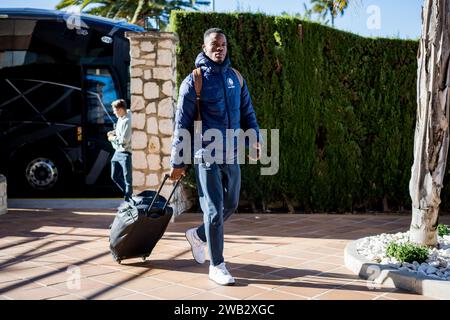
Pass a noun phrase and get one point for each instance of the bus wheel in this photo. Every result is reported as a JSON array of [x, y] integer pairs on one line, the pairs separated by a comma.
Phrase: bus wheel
[[42, 173]]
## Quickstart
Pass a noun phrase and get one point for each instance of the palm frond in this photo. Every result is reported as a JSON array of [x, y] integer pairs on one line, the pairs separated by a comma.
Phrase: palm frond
[[134, 11], [67, 3]]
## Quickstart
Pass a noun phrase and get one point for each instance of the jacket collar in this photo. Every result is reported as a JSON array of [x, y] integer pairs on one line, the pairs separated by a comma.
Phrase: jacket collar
[[203, 61]]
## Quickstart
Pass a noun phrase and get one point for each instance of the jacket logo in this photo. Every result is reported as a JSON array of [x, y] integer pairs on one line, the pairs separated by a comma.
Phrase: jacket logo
[[230, 83]]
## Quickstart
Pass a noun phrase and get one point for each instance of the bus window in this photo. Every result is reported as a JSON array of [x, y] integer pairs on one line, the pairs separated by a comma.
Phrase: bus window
[[15, 38], [101, 93]]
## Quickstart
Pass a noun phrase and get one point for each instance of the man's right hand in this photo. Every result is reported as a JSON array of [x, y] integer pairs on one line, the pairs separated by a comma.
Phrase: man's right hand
[[177, 173]]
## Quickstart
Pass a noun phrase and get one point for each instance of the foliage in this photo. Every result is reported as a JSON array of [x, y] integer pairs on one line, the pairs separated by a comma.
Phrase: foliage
[[328, 7], [443, 230], [134, 11], [345, 106], [407, 252]]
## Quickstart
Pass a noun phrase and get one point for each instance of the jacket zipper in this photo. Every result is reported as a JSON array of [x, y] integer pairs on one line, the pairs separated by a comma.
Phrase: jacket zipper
[[226, 102]]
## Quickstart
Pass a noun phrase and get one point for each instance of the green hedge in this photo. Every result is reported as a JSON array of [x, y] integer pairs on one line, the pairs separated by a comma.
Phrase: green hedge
[[345, 106]]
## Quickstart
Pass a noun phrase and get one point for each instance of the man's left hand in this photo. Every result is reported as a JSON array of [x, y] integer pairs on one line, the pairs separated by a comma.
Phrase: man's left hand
[[258, 147]]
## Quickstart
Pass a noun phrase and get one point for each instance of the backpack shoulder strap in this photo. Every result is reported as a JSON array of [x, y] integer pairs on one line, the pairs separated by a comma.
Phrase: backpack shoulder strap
[[197, 73], [197, 76], [241, 79]]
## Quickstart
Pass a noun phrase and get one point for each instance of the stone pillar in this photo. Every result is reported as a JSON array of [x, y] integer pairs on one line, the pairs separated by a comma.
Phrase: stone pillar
[[153, 105], [3, 196]]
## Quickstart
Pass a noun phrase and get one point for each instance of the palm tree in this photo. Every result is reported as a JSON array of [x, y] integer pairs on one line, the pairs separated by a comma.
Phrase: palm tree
[[331, 7], [134, 11], [431, 139]]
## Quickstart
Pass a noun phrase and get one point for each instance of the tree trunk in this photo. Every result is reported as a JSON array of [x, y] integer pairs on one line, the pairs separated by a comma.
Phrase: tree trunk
[[291, 208], [138, 11], [331, 9], [385, 204], [431, 136]]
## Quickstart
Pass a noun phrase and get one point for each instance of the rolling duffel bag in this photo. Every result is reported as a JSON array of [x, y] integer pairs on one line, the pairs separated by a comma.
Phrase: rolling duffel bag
[[140, 223]]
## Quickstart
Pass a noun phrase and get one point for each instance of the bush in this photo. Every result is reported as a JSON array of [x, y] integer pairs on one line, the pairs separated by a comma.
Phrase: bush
[[443, 230], [407, 252], [345, 106]]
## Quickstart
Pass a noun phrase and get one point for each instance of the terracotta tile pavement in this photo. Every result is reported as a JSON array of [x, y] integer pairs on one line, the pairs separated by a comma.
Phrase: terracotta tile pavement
[[63, 255]]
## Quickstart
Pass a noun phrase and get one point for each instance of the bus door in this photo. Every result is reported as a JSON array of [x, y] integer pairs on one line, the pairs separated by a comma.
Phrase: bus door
[[99, 92]]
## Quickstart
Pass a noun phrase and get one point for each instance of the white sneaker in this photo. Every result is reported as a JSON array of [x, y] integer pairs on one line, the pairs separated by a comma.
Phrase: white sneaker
[[197, 245], [220, 275]]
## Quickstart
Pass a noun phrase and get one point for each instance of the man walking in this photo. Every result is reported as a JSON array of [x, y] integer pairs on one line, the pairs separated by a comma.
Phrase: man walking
[[224, 104], [120, 139]]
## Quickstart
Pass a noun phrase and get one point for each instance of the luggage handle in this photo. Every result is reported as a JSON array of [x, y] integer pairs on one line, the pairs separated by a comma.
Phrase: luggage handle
[[166, 176]]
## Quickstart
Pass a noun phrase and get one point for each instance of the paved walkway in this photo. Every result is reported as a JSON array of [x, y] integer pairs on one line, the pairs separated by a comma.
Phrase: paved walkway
[[63, 254]]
